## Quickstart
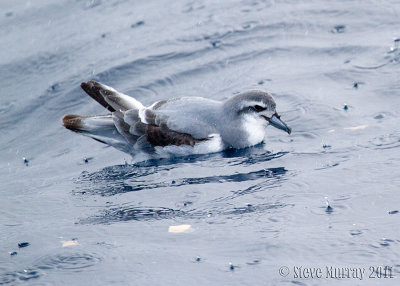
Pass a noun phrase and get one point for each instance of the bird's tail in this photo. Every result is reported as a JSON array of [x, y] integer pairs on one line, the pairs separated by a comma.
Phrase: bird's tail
[[109, 129], [100, 127]]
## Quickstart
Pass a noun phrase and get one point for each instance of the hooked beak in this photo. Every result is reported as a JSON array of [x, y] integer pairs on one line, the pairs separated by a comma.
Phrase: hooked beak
[[278, 123]]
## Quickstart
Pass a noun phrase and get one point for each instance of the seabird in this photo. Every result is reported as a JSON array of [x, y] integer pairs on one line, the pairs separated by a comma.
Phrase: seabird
[[184, 125]]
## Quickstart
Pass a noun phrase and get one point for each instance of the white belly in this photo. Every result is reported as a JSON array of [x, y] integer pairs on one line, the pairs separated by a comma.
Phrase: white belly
[[212, 145]]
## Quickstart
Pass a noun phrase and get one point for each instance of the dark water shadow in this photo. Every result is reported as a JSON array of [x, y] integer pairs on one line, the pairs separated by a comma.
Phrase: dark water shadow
[[122, 179], [133, 213], [272, 179], [132, 178], [145, 213]]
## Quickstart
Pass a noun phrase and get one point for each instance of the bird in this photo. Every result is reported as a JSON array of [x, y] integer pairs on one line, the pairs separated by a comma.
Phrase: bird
[[177, 126]]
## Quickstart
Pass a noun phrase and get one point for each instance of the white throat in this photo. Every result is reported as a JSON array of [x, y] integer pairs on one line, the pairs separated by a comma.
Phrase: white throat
[[255, 128]]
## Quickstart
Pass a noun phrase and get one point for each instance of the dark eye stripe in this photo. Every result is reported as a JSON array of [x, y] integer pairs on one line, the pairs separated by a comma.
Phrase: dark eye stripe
[[256, 108], [259, 108]]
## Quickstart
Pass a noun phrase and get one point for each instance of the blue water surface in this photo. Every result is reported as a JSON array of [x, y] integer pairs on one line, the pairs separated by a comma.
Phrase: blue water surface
[[326, 195]]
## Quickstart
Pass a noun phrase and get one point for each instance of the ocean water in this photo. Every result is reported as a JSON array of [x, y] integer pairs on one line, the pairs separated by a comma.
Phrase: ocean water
[[75, 212]]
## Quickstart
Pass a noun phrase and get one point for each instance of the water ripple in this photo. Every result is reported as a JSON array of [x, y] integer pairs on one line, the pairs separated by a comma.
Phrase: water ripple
[[386, 141], [23, 275], [75, 262]]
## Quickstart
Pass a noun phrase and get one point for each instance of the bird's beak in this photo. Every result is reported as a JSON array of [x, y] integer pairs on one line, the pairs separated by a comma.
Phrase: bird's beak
[[278, 123]]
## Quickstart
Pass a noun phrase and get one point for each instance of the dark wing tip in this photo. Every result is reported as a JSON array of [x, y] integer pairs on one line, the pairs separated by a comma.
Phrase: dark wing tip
[[85, 86], [72, 122], [93, 89], [89, 85]]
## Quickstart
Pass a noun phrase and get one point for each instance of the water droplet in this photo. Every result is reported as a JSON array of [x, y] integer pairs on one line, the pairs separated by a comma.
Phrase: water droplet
[[23, 244], [384, 243], [396, 43], [328, 209], [339, 29], [137, 24], [355, 232], [87, 159], [215, 44]]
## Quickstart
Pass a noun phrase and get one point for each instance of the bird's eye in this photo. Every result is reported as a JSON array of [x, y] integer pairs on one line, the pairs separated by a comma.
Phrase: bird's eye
[[259, 108]]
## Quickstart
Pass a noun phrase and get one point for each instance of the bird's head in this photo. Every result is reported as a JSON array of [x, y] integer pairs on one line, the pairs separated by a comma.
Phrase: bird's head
[[258, 107]]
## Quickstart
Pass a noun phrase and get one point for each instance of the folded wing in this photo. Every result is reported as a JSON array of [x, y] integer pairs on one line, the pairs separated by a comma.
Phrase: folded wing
[[167, 122], [189, 115]]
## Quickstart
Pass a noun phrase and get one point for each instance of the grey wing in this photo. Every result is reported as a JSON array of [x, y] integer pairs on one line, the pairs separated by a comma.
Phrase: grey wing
[[194, 116]]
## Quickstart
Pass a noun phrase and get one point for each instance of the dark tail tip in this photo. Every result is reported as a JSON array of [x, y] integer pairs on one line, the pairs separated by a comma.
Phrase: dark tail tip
[[72, 122]]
